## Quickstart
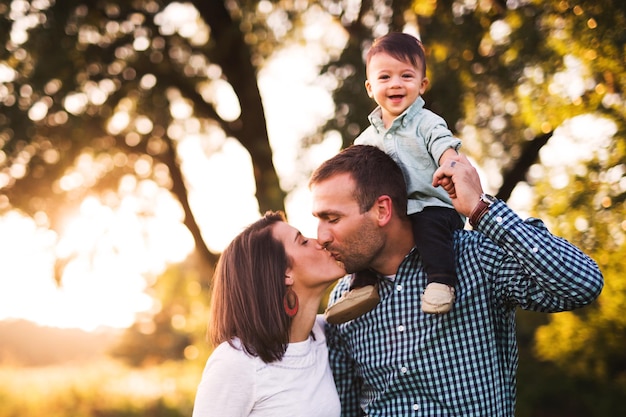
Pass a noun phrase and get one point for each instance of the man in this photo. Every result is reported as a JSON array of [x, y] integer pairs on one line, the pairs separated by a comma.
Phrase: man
[[395, 360]]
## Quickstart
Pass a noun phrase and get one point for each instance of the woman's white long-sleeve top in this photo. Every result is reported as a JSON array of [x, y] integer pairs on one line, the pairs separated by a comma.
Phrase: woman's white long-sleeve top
[[300, 385]]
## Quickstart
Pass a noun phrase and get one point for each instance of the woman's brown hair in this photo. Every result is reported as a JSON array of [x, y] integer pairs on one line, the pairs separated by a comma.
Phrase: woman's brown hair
[[248, 290]]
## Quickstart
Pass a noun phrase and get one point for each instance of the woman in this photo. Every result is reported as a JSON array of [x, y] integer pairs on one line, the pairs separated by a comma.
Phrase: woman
[[271, 357]]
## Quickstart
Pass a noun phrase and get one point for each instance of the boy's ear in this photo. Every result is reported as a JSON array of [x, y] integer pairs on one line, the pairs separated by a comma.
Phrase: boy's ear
[[368, 88], [425, 82]]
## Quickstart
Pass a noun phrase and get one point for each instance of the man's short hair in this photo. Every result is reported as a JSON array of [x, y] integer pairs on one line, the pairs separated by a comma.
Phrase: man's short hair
[[374, 174]]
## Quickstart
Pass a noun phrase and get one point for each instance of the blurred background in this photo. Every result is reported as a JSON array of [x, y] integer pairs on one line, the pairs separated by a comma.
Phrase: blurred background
[[138, 137]]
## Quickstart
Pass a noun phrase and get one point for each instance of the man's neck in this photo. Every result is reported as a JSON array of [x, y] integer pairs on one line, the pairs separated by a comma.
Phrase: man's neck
[[399, 243]]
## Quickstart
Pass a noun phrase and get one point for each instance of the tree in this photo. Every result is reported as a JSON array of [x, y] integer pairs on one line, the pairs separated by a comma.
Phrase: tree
[[76, 68], [94, 93]]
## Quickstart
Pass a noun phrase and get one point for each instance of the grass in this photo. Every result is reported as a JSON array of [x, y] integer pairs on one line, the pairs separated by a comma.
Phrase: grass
[[102, 389]]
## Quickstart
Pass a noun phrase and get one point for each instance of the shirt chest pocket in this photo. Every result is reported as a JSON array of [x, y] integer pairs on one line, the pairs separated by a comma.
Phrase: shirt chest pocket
[[412, 153]]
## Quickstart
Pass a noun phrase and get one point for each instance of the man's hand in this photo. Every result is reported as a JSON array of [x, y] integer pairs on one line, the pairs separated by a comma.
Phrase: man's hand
[[461, 181]]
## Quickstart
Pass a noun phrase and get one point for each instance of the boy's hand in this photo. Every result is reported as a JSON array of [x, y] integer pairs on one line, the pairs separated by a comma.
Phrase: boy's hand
[[447, 184]]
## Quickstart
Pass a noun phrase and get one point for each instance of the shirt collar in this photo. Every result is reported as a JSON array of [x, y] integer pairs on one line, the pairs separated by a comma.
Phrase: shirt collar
[[376, 116]]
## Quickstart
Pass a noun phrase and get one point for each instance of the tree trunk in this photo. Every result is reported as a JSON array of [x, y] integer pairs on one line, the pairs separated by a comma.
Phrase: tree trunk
[[233, 56]]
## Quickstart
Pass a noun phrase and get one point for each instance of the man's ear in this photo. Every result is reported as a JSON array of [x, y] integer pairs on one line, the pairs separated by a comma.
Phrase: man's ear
[[384, 209]]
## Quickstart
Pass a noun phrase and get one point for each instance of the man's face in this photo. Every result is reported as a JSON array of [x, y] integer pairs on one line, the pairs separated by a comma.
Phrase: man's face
[[352, 237]]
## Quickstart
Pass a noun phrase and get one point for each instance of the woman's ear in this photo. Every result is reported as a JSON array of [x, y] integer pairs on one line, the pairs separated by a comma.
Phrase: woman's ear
[[288, 278]]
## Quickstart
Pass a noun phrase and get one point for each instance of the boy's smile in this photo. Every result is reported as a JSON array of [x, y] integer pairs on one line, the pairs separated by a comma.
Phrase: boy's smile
[[393, 84]]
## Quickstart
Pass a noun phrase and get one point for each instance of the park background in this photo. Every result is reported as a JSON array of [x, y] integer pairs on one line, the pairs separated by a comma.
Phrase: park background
[[138, 137]]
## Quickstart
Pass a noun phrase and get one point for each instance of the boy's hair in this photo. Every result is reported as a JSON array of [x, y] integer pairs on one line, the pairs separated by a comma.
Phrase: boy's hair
[[401, 46], [374, 173]]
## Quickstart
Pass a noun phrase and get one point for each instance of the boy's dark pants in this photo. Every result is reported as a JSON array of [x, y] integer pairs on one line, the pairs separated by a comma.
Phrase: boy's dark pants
[[433, 229]]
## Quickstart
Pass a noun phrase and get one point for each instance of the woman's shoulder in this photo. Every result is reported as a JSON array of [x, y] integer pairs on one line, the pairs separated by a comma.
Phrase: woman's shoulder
[[232, 356]]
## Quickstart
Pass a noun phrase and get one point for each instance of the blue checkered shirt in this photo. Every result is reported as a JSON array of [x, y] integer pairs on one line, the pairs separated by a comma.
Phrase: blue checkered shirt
[[398, 361]]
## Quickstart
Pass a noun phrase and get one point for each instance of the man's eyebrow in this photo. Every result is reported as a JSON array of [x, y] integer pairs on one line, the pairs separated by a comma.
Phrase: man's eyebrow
[[326, 213], [298, 235]]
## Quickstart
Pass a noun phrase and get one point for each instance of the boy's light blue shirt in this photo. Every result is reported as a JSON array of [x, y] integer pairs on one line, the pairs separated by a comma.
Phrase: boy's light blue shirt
[[415, 140]]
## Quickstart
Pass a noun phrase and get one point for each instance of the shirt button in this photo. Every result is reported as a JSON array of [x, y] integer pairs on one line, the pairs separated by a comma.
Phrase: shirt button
[[389, 136], [401, 328], [399, 288], [403, 370], [499, 219], [535, 249], [416, 407]]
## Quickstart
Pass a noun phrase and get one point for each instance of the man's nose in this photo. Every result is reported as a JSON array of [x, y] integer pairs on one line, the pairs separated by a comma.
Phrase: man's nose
[[324, 236]]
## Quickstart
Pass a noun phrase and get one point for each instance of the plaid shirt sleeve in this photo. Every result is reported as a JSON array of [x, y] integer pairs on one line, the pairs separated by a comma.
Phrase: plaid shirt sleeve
[[398, 361], [539, 271]]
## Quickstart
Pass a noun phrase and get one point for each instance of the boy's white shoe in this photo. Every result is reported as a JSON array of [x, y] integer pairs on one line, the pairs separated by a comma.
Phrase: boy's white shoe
[[437, 298], [352, 304]]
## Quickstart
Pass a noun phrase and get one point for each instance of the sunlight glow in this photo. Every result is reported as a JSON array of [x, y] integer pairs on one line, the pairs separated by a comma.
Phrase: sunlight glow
[[584, 137], [38, 111], [183, 19], [221, 188], [500, 32], [573, 81], [109, 253], [75, 103], [7, 74], [181, 109], [118, 122], [221, 94], [576, 141]]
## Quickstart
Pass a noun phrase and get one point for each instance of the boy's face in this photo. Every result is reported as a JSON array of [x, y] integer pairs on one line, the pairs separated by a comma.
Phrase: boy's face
[[393, 84]]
